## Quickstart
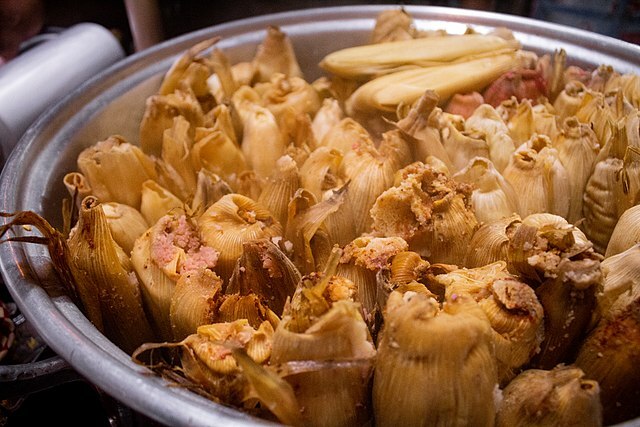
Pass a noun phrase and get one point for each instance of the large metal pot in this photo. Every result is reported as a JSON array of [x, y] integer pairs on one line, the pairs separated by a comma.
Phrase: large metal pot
[[113, 102]]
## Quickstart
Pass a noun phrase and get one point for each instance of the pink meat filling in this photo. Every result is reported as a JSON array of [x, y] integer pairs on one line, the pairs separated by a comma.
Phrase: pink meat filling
[[176, 234]]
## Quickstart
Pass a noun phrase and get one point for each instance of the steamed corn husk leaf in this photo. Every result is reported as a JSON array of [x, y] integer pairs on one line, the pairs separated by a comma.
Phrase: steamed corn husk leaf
[[434, 364]]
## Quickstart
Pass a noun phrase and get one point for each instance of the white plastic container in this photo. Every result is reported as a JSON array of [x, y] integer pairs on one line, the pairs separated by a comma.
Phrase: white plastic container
[[41, 76]]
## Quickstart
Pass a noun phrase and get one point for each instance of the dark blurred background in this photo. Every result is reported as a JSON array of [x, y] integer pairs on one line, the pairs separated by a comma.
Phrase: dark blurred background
[[616, 18], [74, 401]]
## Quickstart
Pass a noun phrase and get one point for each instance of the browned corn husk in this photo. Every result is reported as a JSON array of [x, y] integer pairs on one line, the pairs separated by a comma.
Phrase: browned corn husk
[[275, 55], [512, 308], [169, 249], [231, 221], [557, 259], [263, 269], [423, 375], [116, 170], [427, 209], [99, 260], [610, 356], [193, 302], [280, 187], [562, 396], [362, 260], [490, 243]]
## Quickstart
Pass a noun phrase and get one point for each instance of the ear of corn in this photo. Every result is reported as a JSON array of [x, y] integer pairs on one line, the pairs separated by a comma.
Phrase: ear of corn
[[387, 92], [366, 61]]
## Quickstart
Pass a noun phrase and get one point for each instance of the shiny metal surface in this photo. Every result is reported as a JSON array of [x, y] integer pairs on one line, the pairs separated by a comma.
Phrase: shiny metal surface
[[113, 102]]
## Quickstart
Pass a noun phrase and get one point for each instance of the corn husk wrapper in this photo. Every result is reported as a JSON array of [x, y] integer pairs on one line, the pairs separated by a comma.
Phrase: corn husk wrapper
[[628, 190], [462, 146], [264, 270], [599, 204], [320, 172], [621, 282], [176, 171], [628, 84], [423, 123], [558, 260], [486, 119], [275, 55], [595, 111], [490, 242], [512, 308], [429, 211], [244, 99], [305, 230], [610, 356], [227, 361], [535, 170], [73, 281], [249, 184], [568, 101], [370, 171], [126, 224], [340, 225], [521, 122], [553, 244], [297, 131], [362, 259], [322, 324], [209, 189], [182, 71], [329, 115], [216, 152], [393, 25], [116, 170], [250, 307], [156, 202], [545, 121], [78, 187], [160, 256], [407, 267], [231, 221], [556, 80], [100, 261], [626, 233], [422, 374], [561, 396], [385, 93], [262, 141], [283, 92], [577, 147], [493, 197], [600, 76], [270, 389], [159, 114], [367, 61], [194, 300], [336, 394], [226, 120], [280, 188], [612, 186], [345, 135], [222, 84]]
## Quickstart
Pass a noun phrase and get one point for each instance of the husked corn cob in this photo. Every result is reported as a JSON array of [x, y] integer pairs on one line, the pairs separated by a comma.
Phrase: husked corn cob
[[362, 62], [405, 87]]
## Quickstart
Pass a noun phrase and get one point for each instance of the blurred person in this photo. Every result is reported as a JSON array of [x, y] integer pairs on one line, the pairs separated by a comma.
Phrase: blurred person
[[19, 21]]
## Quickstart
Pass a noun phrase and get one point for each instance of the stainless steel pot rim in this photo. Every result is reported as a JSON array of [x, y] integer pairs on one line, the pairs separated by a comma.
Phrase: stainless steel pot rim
[[60, 323]]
